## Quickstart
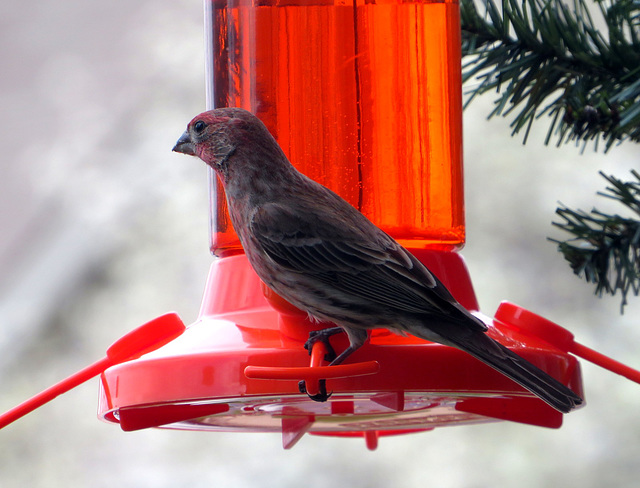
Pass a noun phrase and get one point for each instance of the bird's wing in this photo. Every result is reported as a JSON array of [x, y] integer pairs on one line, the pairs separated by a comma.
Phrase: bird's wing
[[351, 255]]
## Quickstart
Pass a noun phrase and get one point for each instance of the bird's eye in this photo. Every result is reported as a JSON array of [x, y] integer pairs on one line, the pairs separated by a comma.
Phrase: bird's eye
[[199, 126]]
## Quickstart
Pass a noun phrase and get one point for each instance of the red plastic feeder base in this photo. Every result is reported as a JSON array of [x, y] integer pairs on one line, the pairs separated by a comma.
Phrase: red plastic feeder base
[[237, 368]]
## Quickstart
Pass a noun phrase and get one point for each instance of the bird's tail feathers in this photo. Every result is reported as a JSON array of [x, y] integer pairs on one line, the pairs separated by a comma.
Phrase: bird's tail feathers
[[521, 371]]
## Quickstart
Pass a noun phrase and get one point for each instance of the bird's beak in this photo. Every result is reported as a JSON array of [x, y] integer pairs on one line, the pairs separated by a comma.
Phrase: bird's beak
[[185, 145]]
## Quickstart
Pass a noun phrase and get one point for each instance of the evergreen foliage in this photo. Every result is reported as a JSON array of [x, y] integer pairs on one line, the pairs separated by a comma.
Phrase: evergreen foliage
[[548, 57], [605, 249]]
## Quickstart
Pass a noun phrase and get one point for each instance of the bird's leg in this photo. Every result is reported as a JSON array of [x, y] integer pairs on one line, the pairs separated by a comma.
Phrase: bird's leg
[[323, 336], [357, 337], [315, 336], [344, 355]]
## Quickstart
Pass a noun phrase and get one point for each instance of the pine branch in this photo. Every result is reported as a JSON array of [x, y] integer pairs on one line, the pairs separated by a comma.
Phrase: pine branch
[[605, 249], [544, 57]]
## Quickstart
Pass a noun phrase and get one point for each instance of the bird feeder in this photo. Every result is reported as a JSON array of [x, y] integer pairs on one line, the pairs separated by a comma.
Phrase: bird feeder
[[365, 98]]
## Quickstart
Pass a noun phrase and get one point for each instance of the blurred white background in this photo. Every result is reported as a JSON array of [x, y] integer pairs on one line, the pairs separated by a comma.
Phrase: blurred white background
[[103, 228]]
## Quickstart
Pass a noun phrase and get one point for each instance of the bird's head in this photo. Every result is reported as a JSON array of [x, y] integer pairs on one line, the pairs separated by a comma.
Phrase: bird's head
[[214, 136], [239, 147]]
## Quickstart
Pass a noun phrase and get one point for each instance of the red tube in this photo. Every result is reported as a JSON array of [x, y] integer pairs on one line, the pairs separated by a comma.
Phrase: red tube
[[146, 338], [605, 362], [52, 392]]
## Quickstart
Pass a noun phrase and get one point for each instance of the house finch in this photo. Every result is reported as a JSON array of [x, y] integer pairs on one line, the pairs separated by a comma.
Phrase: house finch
[[323, 256]]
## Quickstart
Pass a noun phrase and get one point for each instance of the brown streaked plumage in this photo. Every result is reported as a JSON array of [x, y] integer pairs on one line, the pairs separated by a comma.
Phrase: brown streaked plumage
[[323, 256]]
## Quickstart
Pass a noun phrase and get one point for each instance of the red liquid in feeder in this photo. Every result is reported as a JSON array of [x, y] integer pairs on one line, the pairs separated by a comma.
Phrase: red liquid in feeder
[[363, 97]]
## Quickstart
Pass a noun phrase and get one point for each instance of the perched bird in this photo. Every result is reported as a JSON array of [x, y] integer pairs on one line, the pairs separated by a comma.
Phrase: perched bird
[[323, 256]]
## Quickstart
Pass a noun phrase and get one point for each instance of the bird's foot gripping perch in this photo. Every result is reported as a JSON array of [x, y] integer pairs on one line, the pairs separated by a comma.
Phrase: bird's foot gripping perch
[[330, 356], [323, 335], [321, 396]]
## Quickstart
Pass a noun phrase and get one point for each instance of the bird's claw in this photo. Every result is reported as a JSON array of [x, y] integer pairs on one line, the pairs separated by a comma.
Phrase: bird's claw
[[321, 396], [323, 336]]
